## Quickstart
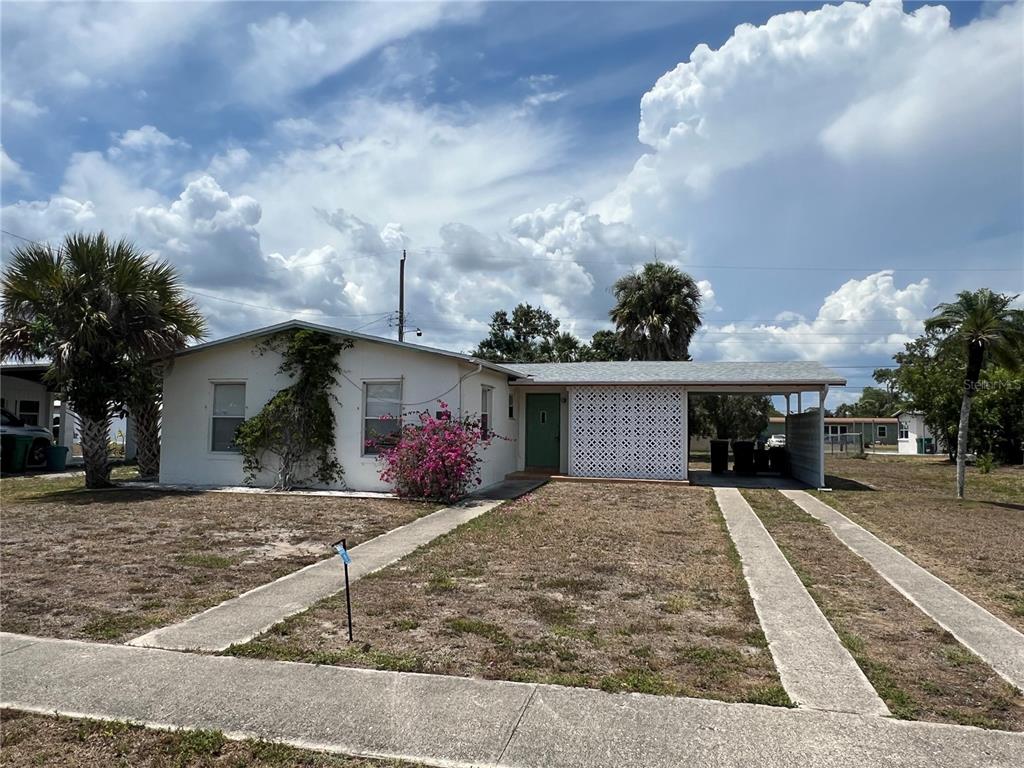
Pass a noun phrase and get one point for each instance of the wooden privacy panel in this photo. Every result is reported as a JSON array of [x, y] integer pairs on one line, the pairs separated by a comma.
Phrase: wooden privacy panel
[[627, 431]]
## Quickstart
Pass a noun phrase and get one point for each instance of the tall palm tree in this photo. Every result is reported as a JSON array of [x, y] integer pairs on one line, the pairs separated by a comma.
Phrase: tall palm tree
[[656, 312], [97, 310], [982, 323]]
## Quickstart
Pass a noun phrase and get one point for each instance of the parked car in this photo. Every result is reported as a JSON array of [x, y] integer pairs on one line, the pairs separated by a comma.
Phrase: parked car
[[41, 437], [775, 441]]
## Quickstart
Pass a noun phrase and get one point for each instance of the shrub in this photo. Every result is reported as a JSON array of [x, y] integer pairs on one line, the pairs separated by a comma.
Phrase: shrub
[[436, 457], [985, 463]]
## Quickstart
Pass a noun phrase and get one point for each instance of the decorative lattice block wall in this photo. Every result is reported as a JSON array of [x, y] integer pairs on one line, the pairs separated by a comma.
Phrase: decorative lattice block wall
[[627, 432]]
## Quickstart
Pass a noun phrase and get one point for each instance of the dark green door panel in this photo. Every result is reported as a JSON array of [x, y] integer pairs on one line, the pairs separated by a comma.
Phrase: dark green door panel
[[542, 430]]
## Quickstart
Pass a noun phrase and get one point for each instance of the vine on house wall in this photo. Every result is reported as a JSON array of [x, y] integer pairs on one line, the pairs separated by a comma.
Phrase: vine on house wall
[[297, 424]]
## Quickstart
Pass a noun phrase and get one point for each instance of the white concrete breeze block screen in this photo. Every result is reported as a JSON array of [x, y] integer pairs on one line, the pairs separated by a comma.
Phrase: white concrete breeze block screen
[[627, 432]]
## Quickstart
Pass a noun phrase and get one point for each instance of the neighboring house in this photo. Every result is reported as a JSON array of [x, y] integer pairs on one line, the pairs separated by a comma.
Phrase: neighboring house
[[23, 393], [914, 437], [875, 431], [622, 419]]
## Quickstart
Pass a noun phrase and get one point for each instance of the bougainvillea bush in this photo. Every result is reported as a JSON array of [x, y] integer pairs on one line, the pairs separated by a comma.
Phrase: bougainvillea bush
[[436, 457]]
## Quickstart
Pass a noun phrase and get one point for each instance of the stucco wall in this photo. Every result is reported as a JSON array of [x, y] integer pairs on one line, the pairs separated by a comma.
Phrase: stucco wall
[[519, 424], [426, 379]]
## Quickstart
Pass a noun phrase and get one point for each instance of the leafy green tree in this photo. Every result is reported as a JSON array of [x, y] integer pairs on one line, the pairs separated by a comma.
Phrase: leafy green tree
[[95, 309], [656, 312], [983, 325], [519, 338], [606, 346], [874, 402], [530, 335], [740, 417]]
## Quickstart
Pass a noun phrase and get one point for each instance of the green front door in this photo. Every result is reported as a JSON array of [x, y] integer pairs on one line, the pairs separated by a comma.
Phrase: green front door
[[542, 430]]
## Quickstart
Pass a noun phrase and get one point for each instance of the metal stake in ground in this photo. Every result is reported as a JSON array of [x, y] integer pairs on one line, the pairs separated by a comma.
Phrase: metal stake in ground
[[346, 559]]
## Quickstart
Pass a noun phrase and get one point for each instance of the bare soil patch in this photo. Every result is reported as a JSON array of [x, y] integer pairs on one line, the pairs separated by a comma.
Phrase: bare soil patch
[[623, 587], [33, 740], [919, 669], [976, 545], [109, 565]]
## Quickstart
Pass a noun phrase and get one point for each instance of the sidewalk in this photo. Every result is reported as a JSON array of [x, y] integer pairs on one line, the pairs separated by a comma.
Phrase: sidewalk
[[996, 642], [816, 670], [452, 721]]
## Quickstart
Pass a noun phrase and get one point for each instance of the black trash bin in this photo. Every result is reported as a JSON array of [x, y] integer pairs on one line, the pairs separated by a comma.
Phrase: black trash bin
[[761, 463], [719, 456], [778, 458], [743, 456]]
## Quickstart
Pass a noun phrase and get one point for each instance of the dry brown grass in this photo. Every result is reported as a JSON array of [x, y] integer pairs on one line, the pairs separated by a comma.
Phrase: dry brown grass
[[33, 740], [919, 669], [618, 586], [108, 565], [976, 545]]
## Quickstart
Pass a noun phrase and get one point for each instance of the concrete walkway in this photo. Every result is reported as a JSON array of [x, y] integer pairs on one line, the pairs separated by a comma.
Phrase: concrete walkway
[[816, 670], [241, 618], [1000, 645], [453, 721]]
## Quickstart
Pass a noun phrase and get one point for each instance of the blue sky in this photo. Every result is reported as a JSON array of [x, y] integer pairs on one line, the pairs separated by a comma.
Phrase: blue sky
[[281, 155]]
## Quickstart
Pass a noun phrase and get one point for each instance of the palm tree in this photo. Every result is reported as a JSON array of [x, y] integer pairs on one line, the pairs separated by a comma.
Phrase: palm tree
[[98, 310], [656, 313], [983, 324]]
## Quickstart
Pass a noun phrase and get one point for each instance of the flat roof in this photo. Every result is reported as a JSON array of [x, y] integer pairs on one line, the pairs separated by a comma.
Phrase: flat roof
[[748, 374], [845, 420], [290, 324]]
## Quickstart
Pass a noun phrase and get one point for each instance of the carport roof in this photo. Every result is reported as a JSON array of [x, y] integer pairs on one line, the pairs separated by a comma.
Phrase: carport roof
[[802, 373]]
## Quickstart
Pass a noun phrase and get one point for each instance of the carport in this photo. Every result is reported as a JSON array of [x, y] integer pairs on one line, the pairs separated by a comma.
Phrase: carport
[[629, 419]]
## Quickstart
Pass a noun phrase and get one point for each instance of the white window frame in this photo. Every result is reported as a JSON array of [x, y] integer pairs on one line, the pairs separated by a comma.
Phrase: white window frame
[[486, 410], [367, 383], [37, 414], [904, 433], [213, 404]]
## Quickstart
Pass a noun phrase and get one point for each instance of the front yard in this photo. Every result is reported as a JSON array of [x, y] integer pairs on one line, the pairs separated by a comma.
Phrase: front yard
[[110, 565], [919, 669], [623, 587], [33, 740], [977, 545]]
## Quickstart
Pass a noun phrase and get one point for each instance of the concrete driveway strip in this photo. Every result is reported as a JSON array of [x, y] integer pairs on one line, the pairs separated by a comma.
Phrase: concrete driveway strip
[[453, 721], [816, 670], [1000, 645], [242, 618]]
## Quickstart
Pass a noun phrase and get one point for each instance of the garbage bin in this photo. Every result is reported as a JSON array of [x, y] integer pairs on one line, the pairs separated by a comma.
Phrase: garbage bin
[[761, 461], [719, 456], [17, 449], [929, 445], [57, 457], [743, 457], [778, 458], [920, 445]]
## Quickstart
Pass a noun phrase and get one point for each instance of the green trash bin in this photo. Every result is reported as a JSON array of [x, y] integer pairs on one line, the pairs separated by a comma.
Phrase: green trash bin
[[57, 457], [19, 453]]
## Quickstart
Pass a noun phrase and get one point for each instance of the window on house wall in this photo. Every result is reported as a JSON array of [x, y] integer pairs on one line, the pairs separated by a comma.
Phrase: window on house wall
[[382, 415], [904, 431], [228, 415], [486, 402], [28, 411], [883, 431], [511, 406]]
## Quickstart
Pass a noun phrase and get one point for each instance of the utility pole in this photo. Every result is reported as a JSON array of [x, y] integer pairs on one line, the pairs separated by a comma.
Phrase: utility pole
[[401, 298]]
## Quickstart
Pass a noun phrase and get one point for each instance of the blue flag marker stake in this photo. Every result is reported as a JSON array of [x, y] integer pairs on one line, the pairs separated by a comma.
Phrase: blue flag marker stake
[[346, 559]]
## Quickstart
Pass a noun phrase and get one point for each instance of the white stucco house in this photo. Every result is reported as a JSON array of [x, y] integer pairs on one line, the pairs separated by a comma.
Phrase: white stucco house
[[914, 435], [620, 420]]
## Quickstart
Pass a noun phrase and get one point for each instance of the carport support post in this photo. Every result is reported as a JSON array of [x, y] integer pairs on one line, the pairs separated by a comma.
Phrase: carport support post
[[822, 394]]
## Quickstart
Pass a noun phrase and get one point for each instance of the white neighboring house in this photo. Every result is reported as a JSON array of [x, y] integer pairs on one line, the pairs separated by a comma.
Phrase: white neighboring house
[[911, 429], [618, 419]]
